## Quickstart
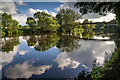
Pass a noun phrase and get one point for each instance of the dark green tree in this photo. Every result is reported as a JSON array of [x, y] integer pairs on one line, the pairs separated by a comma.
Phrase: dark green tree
[[46, 22], [9, 26], [99, 7], [66, 18], [6, 20], [67, 44], [31, 23]]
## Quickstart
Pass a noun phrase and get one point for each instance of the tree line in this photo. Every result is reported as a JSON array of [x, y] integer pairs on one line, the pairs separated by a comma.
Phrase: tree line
[[66, 21]]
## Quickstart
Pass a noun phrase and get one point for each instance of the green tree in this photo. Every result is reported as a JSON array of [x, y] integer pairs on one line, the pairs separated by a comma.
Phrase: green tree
[[15, 26], [66, 18], [9, 26], [6, 20], [31, 23], [46, 22], [99, 7]]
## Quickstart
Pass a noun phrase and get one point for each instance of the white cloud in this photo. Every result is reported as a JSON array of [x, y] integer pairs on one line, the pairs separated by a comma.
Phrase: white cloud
[[86, 54], [98, 18], [20, 3], [8, 57], [23, 52], [20, 18], [68, 0], [65, 5], [52, 13], [31, 12], [8, 7], [25, 70], [64, 60], [95, 17]]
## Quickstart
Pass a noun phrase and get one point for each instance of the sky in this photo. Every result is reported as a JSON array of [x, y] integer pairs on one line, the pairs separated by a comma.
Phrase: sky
[[21, 10]]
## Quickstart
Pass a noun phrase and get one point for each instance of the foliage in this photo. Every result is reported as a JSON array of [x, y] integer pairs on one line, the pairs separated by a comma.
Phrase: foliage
[[43, 21], [111, 67], [8, 45], [9, 26], [43, 42], [67, 44], [77, 30], [99, 7], [66, 18], [84, 76], [31, 23], [31, 41], [87, 26]]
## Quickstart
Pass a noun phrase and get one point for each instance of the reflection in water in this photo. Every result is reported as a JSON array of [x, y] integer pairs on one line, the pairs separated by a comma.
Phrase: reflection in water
[[110, 70], [49, 56], [9, 43], [46, 41], [43, 42], [25, 70], [88, 34], [86, 54], [67, 44]]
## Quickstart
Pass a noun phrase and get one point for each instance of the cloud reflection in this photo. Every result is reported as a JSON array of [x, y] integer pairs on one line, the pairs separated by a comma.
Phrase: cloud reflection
[[25, 70], [86, 54]]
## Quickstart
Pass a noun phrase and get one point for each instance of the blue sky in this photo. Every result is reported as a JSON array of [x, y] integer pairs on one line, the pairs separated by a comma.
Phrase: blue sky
[[27, 9], [50, 6]]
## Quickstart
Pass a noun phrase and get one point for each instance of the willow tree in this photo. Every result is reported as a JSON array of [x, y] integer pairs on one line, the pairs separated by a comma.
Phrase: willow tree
[[100, 7], [67, 17]]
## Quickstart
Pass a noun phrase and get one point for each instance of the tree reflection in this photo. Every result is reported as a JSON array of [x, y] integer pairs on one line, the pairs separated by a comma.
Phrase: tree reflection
[[68, 44], [31, 41], [83, 76], [111, 68], [88, 34], [9, 43], [46, 41]]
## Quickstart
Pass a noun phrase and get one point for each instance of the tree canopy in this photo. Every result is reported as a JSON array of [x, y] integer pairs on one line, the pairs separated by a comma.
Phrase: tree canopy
[[8, 24], [66, 18], [43, 21], [99, 7]]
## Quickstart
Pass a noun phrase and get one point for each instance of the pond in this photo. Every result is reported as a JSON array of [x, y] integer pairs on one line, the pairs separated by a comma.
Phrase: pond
[[52, 55]]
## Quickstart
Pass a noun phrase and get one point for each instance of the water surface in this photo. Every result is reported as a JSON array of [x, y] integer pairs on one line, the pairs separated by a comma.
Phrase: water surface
[[52, 56]]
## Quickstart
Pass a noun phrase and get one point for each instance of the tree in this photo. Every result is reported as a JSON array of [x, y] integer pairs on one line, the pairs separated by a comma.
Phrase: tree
[[31, 23], [9, 26], [6, 20], [15, 26], [46, 22], [67, 17], [86, 21], [87, 26], [99, 7]]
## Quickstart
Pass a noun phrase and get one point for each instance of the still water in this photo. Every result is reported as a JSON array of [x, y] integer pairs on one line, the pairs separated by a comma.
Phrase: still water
[[52, 56]]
